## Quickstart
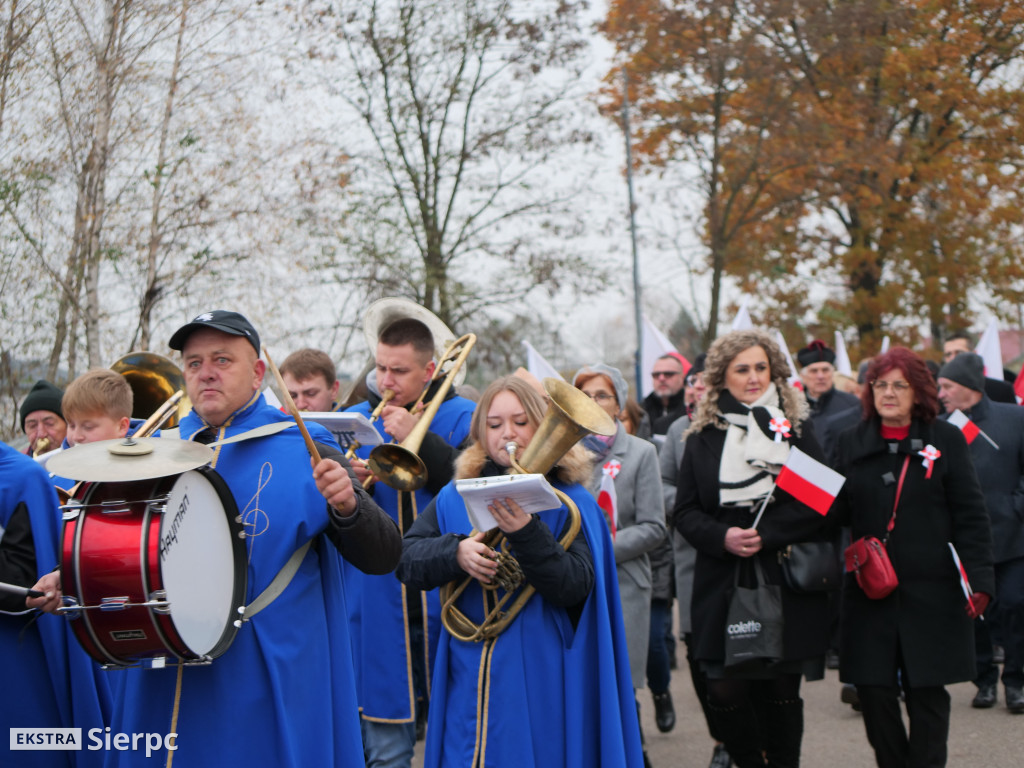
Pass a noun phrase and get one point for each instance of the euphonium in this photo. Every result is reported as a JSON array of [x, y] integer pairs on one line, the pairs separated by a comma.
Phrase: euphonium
[[571, 415], [398, 465]]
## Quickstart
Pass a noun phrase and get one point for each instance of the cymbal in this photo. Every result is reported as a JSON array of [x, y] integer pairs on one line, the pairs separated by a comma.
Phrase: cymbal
[[127, 459]]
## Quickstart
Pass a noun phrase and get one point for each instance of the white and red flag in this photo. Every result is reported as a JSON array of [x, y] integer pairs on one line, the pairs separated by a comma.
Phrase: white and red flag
[[962, 421], [809, 481], [965, 584], [606, 498]]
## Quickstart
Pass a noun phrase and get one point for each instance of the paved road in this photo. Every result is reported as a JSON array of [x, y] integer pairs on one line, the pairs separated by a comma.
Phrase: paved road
[[834, 733]]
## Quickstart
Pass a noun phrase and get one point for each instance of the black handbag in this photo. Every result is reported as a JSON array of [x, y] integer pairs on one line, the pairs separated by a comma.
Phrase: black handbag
[[753, 625], [811, 566]]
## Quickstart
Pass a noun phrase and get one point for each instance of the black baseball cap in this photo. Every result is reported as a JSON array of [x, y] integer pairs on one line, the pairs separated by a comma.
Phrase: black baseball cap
[[220, 320]]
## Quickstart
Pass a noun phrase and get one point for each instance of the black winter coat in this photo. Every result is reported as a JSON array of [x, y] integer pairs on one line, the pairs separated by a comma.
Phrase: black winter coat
[[703, 522], [923, 620]]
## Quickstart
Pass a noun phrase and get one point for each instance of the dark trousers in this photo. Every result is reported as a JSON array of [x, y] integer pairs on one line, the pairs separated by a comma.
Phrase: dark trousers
[[761, 721], [1008, 610], [928, 712], [659, 674], [700, 687]]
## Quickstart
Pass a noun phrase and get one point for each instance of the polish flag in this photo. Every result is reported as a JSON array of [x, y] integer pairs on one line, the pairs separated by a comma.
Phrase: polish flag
[[1018, 387], [606, 498], [794, 377], [965, 584], [990, 352], [959, 420], [809, 481]]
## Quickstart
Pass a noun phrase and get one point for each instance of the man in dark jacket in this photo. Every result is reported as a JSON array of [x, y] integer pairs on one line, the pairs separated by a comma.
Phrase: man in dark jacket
[[817, 372], [959, 343], [829, 407], [998, 455], [666, 402]]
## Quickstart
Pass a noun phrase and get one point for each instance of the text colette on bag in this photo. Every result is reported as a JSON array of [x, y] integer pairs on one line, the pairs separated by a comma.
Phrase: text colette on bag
[[868, 558], [753, 626]]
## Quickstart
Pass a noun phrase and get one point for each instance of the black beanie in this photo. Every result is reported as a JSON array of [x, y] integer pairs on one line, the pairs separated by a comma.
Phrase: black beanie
[[967, 369], [815, 352], [43, 396]]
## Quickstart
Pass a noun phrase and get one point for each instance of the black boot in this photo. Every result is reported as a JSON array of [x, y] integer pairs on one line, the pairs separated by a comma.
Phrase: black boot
[[783, 732], [737, 727], [664, 711]]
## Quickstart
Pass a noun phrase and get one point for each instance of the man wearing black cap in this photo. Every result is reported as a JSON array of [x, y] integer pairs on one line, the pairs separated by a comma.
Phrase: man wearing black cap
[[960, 342], [283, 694], [998, 454], [42, 420], [832, 411], [817, 372]]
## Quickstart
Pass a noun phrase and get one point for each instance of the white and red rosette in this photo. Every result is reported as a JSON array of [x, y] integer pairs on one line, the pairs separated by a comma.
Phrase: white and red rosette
[[781, 428], [930, 454]]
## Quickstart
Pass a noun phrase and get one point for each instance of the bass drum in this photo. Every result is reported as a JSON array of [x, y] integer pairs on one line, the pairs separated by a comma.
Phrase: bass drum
[[154, 570]]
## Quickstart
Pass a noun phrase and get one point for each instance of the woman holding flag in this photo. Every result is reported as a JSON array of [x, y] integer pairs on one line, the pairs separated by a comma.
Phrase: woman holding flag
[[741, 437], [911, 483]]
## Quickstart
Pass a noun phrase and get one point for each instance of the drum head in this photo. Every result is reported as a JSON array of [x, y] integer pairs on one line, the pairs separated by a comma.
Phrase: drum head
[[201, 562]]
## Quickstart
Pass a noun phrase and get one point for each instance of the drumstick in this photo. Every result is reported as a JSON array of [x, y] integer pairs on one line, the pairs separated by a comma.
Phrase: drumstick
[[14, 589], [290, 405]]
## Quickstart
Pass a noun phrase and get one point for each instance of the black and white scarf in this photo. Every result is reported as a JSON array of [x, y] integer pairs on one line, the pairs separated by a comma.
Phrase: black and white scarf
[[751, 456]]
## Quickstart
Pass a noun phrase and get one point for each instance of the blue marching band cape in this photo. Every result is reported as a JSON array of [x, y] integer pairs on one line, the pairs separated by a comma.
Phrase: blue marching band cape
[[50, 681], [541, 694], [378, 618], [283, 693]]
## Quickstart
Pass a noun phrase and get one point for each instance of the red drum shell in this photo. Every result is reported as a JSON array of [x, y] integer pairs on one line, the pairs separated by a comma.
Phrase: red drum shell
[[111, 550]]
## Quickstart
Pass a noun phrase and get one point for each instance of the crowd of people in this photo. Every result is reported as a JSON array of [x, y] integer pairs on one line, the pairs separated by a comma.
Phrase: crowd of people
[[372, 617]]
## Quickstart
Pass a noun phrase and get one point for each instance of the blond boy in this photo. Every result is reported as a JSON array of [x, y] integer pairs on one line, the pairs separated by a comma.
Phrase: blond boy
[[97, 406]]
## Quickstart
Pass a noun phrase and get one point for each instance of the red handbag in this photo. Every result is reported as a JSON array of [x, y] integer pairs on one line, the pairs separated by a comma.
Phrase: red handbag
[[868, 558]]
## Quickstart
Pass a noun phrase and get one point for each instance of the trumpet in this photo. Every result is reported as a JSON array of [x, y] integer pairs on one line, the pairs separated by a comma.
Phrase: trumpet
[[350, 452], [571, 415], [398, 465]]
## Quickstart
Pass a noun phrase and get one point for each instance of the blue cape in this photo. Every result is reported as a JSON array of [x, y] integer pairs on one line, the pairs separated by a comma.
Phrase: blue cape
[[283, 694], [540, 694], [384, 669], [51, 682]]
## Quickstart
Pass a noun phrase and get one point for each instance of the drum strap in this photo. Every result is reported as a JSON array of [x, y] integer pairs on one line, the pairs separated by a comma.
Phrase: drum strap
[[279, 584]]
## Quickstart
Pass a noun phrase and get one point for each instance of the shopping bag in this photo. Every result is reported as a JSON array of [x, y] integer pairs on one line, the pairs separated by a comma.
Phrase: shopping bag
[[753, 626]]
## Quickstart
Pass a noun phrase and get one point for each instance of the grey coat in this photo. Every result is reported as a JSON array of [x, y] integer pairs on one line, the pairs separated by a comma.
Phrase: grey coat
[[1001, 473], [641, 527], [683, 553]]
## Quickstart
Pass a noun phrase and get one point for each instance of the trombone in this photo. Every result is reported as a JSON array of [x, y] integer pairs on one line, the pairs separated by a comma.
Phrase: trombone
[[571, 415], [398, 465]]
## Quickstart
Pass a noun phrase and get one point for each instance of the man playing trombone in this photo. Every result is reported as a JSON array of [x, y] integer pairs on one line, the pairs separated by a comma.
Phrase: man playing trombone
[[395, 629]]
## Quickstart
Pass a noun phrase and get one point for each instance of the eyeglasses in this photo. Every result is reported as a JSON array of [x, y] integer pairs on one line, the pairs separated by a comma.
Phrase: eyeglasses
[[600, 397], [882, 386], [664, 374]]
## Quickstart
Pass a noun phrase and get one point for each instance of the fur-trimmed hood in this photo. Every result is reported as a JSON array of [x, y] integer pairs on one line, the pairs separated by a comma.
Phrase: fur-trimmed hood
[[575, 467]]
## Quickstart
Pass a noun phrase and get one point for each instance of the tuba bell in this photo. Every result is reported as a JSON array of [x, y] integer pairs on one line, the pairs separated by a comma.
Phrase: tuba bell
[[399, 465], [571, 416], [158, 389]]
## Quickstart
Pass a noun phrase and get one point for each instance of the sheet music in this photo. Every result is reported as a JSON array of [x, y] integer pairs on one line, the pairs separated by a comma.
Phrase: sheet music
[[346, 427], [531, 492]]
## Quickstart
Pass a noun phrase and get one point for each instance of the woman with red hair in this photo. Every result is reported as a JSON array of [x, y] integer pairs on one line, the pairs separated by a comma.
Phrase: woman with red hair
[[909, 479]]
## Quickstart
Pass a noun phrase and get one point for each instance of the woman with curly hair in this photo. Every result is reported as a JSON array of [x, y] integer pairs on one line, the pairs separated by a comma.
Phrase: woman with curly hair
[[739, 440], [904, 466]]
